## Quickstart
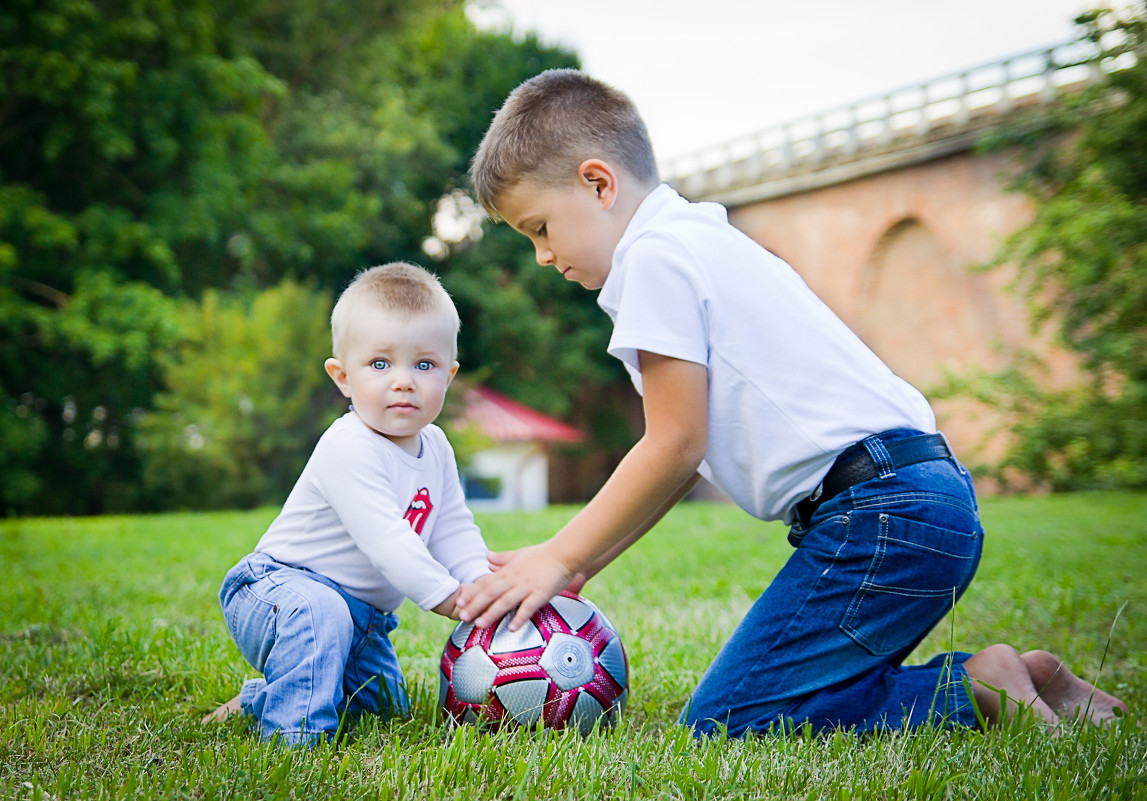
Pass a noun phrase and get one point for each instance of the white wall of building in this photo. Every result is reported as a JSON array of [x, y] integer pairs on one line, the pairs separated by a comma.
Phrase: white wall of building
[[523, 469]]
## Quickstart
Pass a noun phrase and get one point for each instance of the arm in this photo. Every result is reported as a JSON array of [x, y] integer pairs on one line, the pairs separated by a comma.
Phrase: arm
[[449, 607], [616, 551], [655, 472]]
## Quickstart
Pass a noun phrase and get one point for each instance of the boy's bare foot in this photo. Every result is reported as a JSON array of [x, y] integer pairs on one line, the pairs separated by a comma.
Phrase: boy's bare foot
[[1066, 693], [223, 711], [1000, 667]]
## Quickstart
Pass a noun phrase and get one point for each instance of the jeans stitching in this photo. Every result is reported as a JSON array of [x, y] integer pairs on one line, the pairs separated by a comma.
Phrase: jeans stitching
[[844, 523], [866, 584], [894, 498]]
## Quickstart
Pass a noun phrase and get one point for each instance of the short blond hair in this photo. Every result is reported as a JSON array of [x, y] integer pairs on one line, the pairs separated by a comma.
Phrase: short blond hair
[[399, 287], [552, 123]]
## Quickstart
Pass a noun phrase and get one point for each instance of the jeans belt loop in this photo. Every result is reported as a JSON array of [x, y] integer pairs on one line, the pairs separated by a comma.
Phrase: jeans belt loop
[[885, 467]]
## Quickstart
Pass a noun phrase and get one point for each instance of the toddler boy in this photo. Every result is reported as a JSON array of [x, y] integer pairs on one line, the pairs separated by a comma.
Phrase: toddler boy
[[376, 516]]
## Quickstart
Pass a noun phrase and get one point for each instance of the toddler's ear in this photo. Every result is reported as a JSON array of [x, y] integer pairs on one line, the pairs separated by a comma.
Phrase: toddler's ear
[[337, 373]]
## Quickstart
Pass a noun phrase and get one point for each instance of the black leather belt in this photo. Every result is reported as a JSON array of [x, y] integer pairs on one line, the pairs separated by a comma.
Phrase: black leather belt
[[855, 465]]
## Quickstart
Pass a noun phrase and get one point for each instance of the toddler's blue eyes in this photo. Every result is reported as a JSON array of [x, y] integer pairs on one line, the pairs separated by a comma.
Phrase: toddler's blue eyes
[[380, 364], [425, 365]]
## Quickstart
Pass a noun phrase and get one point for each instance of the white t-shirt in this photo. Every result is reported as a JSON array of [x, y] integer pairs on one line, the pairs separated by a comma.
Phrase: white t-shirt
[[790, 386], [381, 523]]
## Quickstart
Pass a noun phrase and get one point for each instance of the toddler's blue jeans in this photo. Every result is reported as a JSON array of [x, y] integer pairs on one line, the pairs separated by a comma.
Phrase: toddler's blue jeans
[[323, 653], [874, 570]]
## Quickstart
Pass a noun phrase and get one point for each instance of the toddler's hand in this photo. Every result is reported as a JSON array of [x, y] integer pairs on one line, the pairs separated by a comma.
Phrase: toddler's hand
[[449, 607]]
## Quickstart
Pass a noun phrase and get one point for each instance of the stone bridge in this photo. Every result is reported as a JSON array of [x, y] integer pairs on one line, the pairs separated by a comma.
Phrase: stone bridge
[[883, 206]]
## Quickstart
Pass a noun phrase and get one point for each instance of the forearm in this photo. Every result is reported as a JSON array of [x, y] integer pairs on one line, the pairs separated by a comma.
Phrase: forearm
[[597, 564], [652, 477], [449, 607]]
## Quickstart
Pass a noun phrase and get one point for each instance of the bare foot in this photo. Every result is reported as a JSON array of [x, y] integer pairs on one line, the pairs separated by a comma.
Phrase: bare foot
[[1066, 693], [223, 711], [1000, 667]]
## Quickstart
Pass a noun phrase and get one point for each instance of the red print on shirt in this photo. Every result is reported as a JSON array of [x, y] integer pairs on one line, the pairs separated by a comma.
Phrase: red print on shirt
[[419, 509]]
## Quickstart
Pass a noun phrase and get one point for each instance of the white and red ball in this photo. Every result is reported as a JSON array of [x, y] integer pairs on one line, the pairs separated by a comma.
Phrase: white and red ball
[[565, 667]]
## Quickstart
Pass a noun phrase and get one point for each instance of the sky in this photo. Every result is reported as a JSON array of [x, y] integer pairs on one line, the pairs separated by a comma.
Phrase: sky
[[703, 72]]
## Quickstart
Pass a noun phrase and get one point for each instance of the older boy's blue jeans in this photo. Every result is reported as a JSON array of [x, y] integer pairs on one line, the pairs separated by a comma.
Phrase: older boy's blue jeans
[[875, 569], [323, 653]]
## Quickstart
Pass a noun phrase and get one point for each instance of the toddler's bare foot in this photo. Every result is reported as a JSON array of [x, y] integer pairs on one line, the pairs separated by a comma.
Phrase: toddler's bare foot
[[1000, 667], [1066, 693], [223, 711]]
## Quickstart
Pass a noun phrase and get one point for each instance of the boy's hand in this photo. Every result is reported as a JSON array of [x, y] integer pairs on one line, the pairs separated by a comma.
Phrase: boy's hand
[[499, 559], [527, 579]]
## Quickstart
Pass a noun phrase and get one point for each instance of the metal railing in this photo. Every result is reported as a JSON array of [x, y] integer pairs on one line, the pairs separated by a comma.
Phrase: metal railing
[[952, 103]]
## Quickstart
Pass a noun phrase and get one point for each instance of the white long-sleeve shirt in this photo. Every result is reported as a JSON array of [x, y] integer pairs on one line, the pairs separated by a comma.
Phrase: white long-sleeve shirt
[[381, 523]]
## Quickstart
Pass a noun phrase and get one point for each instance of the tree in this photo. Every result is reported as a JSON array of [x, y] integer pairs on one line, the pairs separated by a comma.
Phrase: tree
[[245, 400], [1082, 264], [124, 136], [154, 153]]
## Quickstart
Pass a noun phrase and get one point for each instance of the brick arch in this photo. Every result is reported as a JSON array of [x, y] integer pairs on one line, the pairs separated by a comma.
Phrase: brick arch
[[921, 309]]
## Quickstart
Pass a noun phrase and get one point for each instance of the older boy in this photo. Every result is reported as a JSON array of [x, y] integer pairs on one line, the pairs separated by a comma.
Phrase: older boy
[[748, 379], [377, 516]]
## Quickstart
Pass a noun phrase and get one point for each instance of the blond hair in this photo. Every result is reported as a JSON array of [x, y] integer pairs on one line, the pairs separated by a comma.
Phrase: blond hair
[[552, 123], [399, 287]]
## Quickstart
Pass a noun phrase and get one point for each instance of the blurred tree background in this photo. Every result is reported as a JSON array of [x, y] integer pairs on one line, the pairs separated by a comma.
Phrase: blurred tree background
[[185, 187], [1082, 266]]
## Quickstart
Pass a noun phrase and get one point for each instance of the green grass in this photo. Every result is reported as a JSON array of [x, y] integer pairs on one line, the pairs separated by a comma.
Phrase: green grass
[[112, 647]]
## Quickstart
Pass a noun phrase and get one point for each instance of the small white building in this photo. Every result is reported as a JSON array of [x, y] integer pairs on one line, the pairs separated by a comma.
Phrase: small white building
[[514, 472]]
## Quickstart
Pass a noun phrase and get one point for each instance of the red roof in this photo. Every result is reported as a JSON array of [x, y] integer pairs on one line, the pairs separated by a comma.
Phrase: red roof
[[504, 420]]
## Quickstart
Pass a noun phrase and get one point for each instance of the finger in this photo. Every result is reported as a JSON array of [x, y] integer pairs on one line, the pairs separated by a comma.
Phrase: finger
[[498, 607], [467, 592], [499, 557], [576, 583], [526, 609], [487, 591]]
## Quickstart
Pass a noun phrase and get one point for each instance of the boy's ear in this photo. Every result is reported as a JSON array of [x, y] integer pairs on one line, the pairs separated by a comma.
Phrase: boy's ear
[[453, 372], [602, 177], [337, 373]]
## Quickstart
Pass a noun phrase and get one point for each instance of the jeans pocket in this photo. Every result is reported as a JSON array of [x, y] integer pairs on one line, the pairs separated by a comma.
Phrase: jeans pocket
[[917, 572]]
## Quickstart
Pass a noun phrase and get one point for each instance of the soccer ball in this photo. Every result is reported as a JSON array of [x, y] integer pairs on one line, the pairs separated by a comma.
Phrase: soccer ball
[[565, 667]]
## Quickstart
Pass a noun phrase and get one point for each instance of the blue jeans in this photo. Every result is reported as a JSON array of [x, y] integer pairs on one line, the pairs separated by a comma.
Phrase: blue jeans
[[322, 652], [874, 570]]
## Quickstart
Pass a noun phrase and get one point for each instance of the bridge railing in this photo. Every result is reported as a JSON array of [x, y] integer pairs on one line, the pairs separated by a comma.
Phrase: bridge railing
[[953, 102]]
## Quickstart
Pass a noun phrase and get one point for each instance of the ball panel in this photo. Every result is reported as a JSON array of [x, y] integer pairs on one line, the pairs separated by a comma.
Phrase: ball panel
[[586, 712], [524, 700], [505, 641], [461, 634], [612, 659], [568, 660], [574, 611], [473, 676]]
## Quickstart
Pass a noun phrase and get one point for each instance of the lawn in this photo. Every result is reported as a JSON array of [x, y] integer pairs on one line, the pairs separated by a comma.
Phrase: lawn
[[112, 647]]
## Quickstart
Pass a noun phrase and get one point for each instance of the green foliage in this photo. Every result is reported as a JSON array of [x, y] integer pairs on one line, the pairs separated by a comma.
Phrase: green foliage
[[1083, 268], [246, 400], [152, 152]]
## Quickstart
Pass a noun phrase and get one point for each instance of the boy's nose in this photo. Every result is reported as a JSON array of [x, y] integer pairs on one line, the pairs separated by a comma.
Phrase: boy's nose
[[545, 256], [402, 379]]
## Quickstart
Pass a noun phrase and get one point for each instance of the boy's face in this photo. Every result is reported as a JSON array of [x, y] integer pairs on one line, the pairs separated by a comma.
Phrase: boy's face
[[574, 228], [395, 370]]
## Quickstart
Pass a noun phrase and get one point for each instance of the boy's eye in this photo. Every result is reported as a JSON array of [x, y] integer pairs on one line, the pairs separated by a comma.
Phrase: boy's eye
[[380, 364], [424, 365], [542, 230]]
